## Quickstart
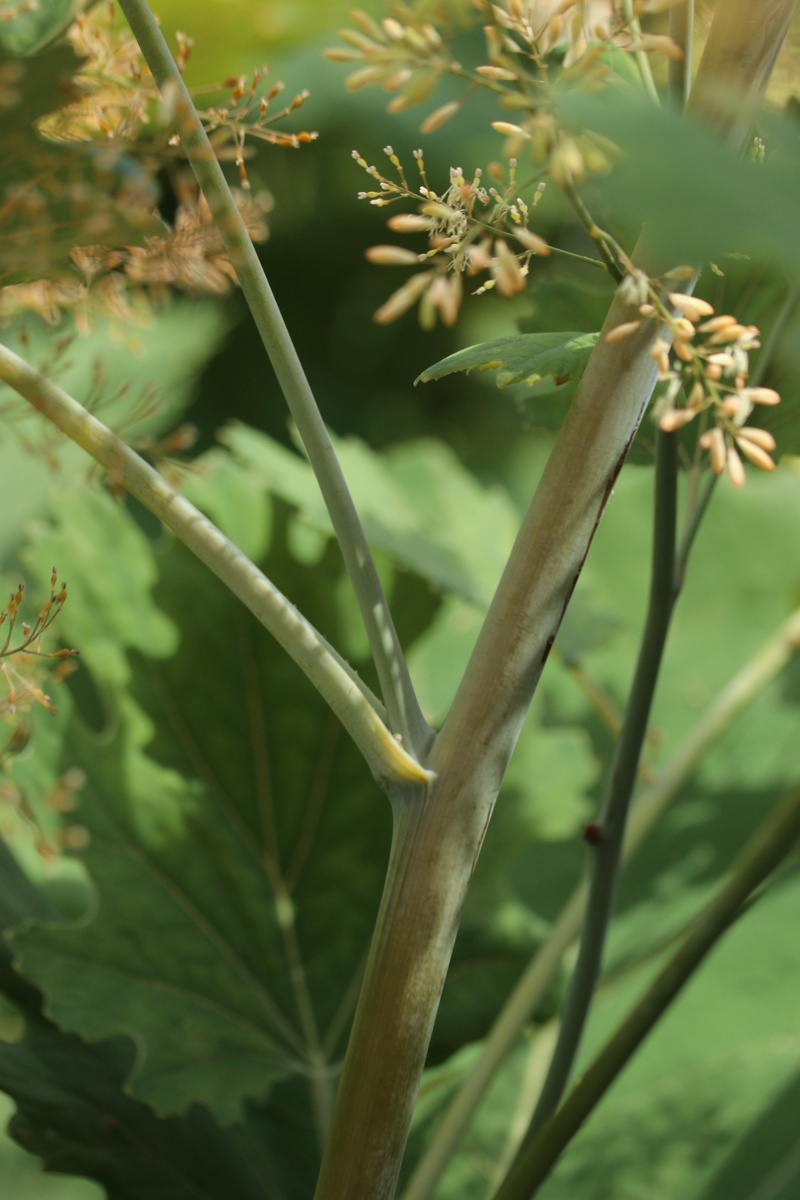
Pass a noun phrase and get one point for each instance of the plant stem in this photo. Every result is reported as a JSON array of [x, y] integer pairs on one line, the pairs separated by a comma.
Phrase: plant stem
[[739, 56], [355, 706], [607, 852], [404, 714], [766, 357], [651, 803], [679, 70], [642, 61], [763, 854], [594, 231]]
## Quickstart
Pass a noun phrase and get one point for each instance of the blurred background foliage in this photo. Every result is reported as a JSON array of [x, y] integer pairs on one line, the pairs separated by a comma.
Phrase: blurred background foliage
[[714, 1084]]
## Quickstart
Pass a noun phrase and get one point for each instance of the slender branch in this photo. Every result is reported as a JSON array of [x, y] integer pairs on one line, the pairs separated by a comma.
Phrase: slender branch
[[766, 357], [642, 60], [763, 854], [651, 804], [600, 239], [691, 526], [607, 850], [679, 70], [334, 679], [403, 710]]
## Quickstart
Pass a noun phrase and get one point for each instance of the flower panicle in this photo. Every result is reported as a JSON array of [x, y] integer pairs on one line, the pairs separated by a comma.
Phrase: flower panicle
[[526, 43], [471, 227]]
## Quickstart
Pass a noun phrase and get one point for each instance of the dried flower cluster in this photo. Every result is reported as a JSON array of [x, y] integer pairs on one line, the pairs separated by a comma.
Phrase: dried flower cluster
[[706, 376], [23, 689], [80, 205], [468, 228], [23, 665]]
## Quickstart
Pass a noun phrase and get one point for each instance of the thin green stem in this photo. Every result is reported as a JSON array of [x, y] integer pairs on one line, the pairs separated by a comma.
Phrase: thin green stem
[[581, 258], [403, 710], [355, 706], [763, 854], [679, 70], [691, 525], [610, 829], [767, 355], [642, 61], [600, 239]]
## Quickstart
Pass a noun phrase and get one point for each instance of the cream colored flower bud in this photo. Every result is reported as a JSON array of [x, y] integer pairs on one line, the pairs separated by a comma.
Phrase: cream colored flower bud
[[676, 419], [409, 223], [762, 395], [735, 468], [720, 322], [729, 334], [496, 73], [761, 437], [713, 440], [509, 130], [439, 117], [403, 298], [531, 241], [392, 256], [620, 332], [691, 306]]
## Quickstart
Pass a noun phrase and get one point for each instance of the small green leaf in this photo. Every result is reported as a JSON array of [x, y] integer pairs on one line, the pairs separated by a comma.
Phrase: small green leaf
[[521, 358]]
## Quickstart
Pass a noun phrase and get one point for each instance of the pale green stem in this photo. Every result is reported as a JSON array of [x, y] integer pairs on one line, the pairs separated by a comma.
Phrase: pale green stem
[[651, 804], [347, 695], [642, 59], [403, 710], [760, 858], [679, 70]]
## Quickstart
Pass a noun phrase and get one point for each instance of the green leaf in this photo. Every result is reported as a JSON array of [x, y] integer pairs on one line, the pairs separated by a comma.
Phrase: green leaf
[[72, 1110], [418, 504], [521, 358], [231, 824]]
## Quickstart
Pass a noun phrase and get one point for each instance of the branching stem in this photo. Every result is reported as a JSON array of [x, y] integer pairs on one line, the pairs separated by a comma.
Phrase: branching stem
[[358, 710]]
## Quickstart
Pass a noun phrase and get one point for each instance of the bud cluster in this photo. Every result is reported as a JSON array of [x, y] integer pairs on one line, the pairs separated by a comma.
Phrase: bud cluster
[[703, 358]]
